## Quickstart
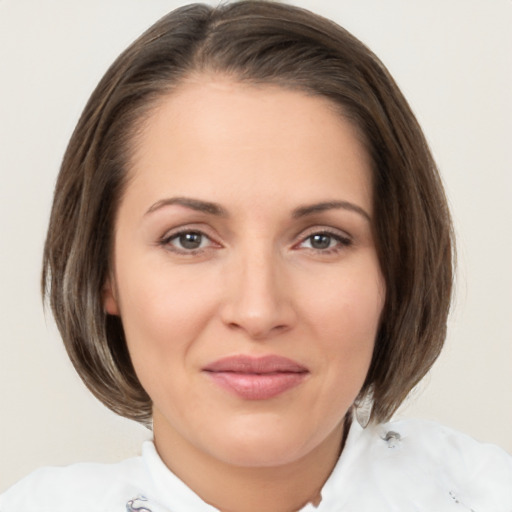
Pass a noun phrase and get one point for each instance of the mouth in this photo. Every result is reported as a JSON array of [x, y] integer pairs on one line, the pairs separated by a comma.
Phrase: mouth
[[256, 378]]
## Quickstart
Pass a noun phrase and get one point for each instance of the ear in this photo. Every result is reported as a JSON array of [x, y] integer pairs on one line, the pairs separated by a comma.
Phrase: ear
[[110, 305]]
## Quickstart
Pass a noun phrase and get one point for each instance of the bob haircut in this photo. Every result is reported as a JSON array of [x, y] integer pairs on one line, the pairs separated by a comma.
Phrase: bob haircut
[[259, 43]]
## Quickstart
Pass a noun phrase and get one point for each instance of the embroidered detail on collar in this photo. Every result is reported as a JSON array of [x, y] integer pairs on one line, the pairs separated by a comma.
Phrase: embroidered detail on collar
[[392, 438], [137, 505]]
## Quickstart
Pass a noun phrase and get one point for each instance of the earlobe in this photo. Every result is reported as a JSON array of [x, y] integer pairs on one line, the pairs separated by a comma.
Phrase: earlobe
[[109, 299]]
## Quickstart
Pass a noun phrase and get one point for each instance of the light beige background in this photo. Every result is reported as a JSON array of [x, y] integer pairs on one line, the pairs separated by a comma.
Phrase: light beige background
[[453, 61]]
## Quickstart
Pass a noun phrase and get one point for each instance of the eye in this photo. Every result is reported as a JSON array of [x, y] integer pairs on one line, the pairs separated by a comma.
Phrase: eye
[[325, 241], [187, 241], [321, 241]]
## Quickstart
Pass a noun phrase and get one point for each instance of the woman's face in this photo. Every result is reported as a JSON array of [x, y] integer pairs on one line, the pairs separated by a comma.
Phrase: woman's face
[[245, 271]]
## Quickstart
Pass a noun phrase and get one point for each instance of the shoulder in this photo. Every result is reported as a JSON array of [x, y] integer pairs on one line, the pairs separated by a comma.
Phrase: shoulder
[[415, 461], [78, 487]]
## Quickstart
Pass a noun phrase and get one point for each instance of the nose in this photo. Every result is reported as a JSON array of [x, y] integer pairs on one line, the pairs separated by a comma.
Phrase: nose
[[259, 299]]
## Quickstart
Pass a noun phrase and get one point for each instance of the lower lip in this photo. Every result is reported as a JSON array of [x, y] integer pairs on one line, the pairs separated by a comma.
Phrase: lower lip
[[255, 386]]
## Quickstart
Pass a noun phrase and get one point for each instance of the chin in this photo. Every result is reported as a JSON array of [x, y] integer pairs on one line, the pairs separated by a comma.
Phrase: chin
[[267, 453], [263, 445]]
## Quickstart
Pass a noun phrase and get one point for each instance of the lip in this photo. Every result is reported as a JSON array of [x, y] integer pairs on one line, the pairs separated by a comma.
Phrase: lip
[[256, 378]]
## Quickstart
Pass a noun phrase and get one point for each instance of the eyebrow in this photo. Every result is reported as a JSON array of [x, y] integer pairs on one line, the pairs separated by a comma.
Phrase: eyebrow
[[303, 211], [193, 204], [217, 210]]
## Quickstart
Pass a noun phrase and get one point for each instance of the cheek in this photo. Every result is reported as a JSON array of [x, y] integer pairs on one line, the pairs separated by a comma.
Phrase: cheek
[[345, 320], [162, 311], [348, 308]]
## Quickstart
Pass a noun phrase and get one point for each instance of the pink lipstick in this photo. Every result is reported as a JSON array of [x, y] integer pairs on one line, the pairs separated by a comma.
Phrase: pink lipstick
[[256, 378]]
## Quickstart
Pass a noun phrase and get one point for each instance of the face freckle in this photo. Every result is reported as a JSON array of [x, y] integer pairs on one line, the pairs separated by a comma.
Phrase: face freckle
[[243, 244]]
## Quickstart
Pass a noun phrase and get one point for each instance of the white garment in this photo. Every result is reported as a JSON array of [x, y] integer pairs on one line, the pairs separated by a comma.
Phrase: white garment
[[404, 466]]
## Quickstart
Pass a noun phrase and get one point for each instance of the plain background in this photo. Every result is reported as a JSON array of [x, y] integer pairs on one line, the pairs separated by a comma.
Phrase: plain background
[[452, 60]]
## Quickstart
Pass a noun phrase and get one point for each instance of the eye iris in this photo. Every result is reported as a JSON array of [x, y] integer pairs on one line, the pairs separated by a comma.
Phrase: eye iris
[[190, 240], [320, 241]]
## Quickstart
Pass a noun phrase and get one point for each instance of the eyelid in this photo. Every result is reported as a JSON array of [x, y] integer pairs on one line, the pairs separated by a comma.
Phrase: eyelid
[[343, 238], [326, 230], [165, 240]]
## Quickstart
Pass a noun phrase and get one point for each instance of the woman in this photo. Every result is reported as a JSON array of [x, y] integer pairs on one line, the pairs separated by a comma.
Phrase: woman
[[250, 249]]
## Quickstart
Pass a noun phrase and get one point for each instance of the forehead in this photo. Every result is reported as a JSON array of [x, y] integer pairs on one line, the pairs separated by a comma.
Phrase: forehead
[[212, 134]]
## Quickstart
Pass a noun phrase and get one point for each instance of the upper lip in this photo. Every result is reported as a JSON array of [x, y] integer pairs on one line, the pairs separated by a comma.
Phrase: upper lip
[[255, 365]]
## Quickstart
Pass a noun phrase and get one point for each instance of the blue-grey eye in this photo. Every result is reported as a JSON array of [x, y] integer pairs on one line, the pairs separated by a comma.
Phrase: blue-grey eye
[[190, 240], [321, 241]]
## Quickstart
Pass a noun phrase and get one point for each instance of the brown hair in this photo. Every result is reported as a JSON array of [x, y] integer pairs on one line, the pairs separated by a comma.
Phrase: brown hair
[[267, 43]]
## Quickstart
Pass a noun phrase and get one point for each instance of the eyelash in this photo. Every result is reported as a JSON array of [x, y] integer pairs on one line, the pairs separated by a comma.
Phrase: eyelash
[[167, 242], [342, 241]]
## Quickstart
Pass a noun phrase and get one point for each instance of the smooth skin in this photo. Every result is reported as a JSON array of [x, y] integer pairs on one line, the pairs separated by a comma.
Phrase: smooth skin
[[246, 229]]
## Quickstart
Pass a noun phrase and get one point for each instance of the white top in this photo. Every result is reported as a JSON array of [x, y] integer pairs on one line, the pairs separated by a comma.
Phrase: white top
[[403, 466]]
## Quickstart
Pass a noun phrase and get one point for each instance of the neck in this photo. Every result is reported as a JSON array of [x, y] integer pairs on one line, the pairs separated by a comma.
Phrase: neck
[[233, 488]]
